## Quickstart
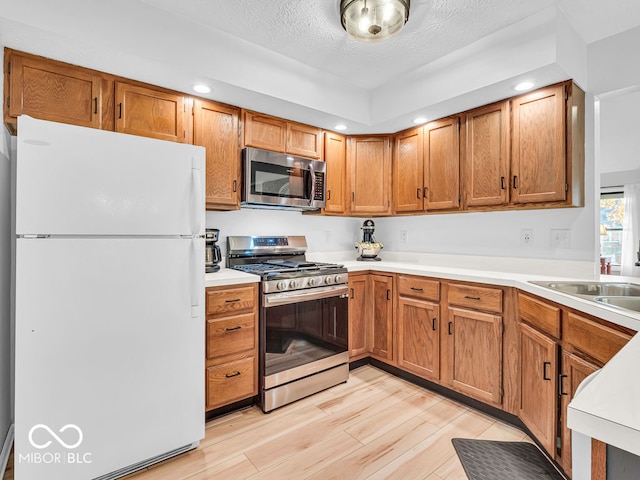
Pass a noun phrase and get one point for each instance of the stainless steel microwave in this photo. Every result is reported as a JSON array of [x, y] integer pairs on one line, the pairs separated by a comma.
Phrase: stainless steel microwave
[[278, 180]]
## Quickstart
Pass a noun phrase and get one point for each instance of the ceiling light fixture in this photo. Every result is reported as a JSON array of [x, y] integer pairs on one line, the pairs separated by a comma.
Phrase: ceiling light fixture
[[373, 20], [521, 87], [340, 127], [201, 88], [419, 120]]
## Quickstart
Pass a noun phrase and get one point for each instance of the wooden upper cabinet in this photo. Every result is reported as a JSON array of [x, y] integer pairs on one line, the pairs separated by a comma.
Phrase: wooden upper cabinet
[[215, 127], [408, 189], [304, 140], [538, 149], [442, 164], [485, 162], [56, 91], [150, 113], [279, 135], [335, 156], [264, 131], [369, 160]]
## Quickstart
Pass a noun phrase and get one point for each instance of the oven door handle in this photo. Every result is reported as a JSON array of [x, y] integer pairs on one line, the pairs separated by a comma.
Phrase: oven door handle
[[285, 298]]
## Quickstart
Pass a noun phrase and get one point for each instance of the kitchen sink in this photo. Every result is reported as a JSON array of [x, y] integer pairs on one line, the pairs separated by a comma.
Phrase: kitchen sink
[[596, 289], [630, 303]]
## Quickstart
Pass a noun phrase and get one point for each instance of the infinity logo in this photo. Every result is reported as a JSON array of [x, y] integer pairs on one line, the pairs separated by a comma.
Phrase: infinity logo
[[53, 434]]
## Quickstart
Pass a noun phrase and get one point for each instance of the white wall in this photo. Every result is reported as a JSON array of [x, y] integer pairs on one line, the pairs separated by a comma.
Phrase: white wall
[[6, 413], [619, 138]]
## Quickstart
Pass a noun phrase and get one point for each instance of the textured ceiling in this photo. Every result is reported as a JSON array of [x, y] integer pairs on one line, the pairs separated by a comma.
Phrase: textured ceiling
[[310, 31]]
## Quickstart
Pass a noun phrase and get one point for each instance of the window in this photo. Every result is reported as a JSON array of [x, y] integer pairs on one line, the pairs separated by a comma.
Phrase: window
[[611, 221]]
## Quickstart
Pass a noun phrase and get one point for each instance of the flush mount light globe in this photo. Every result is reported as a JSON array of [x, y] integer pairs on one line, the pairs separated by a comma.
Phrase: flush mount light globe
[[373, 20]]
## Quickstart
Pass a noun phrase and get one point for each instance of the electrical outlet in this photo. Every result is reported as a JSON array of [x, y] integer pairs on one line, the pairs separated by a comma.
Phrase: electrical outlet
[[561, 238], [404, 236], [526, 237]]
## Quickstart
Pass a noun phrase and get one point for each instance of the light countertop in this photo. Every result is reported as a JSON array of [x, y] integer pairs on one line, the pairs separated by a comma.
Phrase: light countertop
[[607, 408]]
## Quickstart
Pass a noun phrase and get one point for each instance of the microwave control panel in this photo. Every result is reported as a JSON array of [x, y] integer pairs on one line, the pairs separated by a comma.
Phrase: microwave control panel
[[318, 193]]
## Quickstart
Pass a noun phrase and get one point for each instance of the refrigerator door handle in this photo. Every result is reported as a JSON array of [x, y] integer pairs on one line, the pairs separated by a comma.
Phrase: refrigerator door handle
[[196, 180], [195, 269]]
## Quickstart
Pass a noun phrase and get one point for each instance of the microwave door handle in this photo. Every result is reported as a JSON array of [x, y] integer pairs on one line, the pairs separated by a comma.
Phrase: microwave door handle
[[310, 185]]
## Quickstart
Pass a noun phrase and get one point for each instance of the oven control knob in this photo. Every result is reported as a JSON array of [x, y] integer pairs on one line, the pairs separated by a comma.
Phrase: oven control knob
[[311, 282], [293, 284], [338, 279], [281, 285], [328, 280]]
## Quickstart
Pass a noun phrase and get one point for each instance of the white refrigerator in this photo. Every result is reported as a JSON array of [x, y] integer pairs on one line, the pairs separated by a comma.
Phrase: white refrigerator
[[109, 291]]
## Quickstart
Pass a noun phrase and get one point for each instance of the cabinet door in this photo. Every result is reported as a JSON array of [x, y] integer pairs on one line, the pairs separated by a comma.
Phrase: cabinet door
[[485, 163], [538, 150], [538, 384], [150, 113], [408, 189], [216, 128], [442, 164], [263, 131], [335, 156], [303, 140], [370, 174], [54, 91], [574, 371], [358, 315], [474, 343], [418, 337], [382, 321]]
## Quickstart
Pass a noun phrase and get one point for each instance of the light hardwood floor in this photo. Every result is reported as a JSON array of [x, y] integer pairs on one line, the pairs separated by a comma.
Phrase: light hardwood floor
[[374, 426]]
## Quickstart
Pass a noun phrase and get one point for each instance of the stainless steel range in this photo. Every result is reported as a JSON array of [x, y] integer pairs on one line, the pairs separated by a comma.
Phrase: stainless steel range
[[303, 317]]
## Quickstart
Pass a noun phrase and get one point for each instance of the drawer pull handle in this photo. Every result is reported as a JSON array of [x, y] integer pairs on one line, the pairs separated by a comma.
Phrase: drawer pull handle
[[471, 298], [231, 375], [95, 105], [232, 301], [544, 370], [388, 293], [418, 192], [352, 293], [235, 186], [562, 392], [433, 324], [502, 185], [417, 289], [515, 181], [449, 328], [231, 329]]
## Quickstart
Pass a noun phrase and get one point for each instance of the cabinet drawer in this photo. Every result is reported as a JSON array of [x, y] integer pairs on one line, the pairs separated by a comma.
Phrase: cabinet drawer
[[539, 314], [480, 298], [231, 335], [411, 286], [224, 301], [231, 382], [598, 341]]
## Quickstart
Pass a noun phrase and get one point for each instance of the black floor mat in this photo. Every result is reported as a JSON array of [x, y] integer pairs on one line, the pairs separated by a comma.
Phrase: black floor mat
[[490, 460]]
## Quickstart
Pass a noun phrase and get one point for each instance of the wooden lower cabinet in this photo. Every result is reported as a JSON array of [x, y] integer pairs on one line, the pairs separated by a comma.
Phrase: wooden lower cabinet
[[230, 382], [358, 317], [381, 336], [539, 387], [473, 342], [574, 371], [231, 344], [419, 337]]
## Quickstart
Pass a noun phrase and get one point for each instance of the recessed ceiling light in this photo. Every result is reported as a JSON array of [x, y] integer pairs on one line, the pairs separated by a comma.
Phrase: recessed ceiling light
[[200, 88], [340, 127], [419, 120], [521, 87]]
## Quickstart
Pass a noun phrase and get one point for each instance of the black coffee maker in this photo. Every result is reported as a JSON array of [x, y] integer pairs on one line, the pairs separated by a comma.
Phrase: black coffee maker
[[212, 254]]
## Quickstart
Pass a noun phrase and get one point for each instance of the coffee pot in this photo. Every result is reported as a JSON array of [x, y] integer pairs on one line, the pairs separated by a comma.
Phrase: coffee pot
[[212, 254]]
